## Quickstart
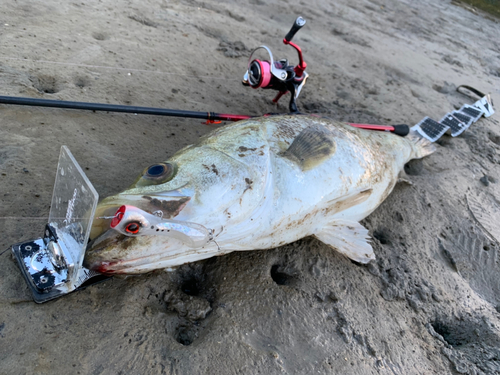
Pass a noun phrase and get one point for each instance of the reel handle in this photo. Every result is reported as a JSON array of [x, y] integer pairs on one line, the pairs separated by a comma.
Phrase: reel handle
[[299, 22]]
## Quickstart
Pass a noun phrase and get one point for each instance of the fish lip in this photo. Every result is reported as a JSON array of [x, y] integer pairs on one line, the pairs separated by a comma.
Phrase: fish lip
[[95, 261], [114, 267], [103, 268], [92, 260]]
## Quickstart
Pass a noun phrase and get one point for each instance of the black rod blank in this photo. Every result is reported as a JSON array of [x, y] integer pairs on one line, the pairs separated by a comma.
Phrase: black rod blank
[[106, 107]]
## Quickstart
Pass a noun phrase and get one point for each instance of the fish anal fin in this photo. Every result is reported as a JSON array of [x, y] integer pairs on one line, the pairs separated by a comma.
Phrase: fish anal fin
[[349, 238], [311, 147], [403, 178]]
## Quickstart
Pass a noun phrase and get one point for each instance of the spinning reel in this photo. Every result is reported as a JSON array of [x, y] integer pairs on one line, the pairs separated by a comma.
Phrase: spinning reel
[[279, 75]]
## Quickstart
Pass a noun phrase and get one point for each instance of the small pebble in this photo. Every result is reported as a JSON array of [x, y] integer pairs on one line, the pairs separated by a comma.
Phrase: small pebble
[[485, 180]]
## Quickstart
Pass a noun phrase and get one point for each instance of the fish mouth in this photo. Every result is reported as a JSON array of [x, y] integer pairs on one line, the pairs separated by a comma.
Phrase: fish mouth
[[110, 252], [113, 267], [115, 253], [98, 256]]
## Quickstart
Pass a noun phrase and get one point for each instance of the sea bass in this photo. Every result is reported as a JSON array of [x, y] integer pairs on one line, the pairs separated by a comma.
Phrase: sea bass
[[254, 184]]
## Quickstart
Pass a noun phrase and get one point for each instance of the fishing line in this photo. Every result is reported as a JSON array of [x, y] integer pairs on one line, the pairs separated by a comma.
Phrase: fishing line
[[22, 218], [107, 217], [36, 218], [115, 68]]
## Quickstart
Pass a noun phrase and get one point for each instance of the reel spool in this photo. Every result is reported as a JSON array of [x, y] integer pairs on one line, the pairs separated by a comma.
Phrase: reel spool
[[260, 73]]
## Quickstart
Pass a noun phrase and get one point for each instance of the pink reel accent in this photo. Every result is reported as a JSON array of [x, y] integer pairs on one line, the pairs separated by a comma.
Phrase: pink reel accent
[[265, 68]]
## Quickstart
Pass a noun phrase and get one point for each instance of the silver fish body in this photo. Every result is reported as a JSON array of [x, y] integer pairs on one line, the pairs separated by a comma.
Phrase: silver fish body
[[259, 184]]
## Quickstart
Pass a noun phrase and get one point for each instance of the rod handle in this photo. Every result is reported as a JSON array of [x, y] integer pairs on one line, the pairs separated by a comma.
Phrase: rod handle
[[299, 22]]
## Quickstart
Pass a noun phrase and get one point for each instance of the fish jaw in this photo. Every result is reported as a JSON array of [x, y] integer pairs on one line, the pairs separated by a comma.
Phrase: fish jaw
[[111, 252], [115, 253], [98, 256]]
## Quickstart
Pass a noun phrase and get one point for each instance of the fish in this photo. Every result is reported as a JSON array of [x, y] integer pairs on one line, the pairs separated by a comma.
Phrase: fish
[[251, 185]]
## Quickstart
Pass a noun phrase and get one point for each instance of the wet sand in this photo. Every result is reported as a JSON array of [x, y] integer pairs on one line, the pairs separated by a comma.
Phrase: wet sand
[[430, 303]]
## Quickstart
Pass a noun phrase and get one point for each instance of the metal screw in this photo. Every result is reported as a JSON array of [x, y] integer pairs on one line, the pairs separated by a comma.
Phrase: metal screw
[[44, 279], [158, 213], [283, 75]]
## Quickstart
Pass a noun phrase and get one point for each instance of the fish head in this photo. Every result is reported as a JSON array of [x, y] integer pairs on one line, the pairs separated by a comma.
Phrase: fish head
[[201, 186]]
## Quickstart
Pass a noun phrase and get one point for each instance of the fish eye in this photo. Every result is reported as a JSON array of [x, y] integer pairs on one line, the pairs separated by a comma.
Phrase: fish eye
[[133, 227], [155, 170], [158, 174]]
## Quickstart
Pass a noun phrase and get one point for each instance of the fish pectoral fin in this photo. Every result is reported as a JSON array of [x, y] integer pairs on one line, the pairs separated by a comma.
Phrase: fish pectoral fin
[[348, 237], [311, 147]]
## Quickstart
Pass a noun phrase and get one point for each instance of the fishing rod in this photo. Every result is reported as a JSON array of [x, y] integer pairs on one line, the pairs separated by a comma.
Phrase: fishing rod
[[211, 117], [266, 74]]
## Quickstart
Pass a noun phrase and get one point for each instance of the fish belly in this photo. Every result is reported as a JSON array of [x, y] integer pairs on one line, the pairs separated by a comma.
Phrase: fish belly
[[347, 186]]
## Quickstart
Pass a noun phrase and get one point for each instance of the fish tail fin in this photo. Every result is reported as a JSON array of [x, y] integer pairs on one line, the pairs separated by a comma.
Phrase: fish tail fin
[[421, 146]]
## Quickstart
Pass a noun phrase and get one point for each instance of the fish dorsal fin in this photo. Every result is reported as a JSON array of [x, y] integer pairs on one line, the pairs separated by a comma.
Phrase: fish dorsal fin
[[348, 237], [311, 147]]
